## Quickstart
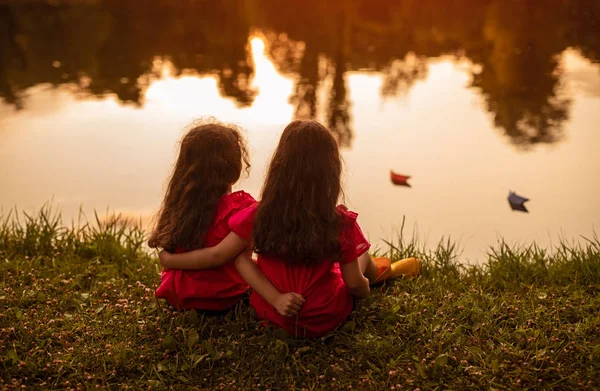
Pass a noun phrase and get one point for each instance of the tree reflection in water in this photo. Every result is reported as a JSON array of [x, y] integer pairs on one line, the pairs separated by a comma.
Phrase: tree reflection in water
[[109, 47]]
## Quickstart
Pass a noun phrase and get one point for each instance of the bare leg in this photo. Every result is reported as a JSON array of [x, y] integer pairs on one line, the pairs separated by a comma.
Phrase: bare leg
[[368, 267]]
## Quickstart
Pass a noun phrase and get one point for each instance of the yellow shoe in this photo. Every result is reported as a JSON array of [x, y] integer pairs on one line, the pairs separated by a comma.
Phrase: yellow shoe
[[408, 267], [384, 266]]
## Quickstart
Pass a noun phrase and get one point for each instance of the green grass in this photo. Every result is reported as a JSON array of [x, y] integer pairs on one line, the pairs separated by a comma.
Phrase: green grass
[[77, 310]]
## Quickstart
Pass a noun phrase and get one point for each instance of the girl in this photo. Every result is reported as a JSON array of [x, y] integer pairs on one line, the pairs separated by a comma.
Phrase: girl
[[305, 244], [195, 214]]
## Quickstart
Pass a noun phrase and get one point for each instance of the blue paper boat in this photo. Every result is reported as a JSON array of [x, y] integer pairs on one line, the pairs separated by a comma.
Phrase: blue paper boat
[[517, 202]]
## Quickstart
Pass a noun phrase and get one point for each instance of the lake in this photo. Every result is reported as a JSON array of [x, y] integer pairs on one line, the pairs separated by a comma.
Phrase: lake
[[470, 98]]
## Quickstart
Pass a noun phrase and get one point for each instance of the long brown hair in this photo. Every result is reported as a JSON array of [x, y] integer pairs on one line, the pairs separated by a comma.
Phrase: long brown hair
[[297, 218], [211, 159]]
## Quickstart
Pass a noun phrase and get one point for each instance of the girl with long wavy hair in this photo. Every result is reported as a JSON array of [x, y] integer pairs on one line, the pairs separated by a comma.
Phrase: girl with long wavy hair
[[305, 243], [195, 214]]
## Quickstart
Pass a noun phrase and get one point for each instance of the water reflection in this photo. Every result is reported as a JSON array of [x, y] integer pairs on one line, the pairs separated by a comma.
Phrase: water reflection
[[99, 153], [109, 47]]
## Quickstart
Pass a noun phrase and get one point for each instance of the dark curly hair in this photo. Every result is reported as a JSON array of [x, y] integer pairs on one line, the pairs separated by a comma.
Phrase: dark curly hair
[[211, 159], [297, 219]]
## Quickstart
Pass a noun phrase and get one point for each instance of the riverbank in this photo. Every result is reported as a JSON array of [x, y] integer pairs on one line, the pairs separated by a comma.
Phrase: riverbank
[[77, 311]]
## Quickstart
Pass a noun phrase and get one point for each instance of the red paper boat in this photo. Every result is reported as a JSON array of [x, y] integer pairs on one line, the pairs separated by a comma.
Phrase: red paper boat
[[399, 180]]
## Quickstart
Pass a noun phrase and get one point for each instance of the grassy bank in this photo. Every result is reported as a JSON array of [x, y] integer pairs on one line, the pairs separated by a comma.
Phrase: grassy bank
[[77, 311]]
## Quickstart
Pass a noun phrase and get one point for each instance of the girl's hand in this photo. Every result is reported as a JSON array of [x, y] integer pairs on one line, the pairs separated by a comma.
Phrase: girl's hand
[[165, 258], [288, 304]]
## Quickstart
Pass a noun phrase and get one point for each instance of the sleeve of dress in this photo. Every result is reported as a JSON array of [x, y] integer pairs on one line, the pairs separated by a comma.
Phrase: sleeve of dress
[[353, 243], [231, 204], [242, 222], [241, 199]]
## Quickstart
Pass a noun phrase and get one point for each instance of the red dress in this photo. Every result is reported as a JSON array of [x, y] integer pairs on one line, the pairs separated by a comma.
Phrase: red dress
[[328, 301], [210, 289]]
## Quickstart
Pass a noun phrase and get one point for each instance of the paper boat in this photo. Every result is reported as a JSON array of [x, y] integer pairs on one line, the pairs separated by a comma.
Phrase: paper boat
[[399, 180], [517, 202]]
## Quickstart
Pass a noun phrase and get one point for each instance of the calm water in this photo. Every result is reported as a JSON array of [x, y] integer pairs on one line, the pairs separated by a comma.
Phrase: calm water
[[472, 100]]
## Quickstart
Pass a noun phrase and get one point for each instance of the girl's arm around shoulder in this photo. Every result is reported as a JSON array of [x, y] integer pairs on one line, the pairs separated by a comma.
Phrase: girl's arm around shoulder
[[205, 258], [355, 281], [287, 304]]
